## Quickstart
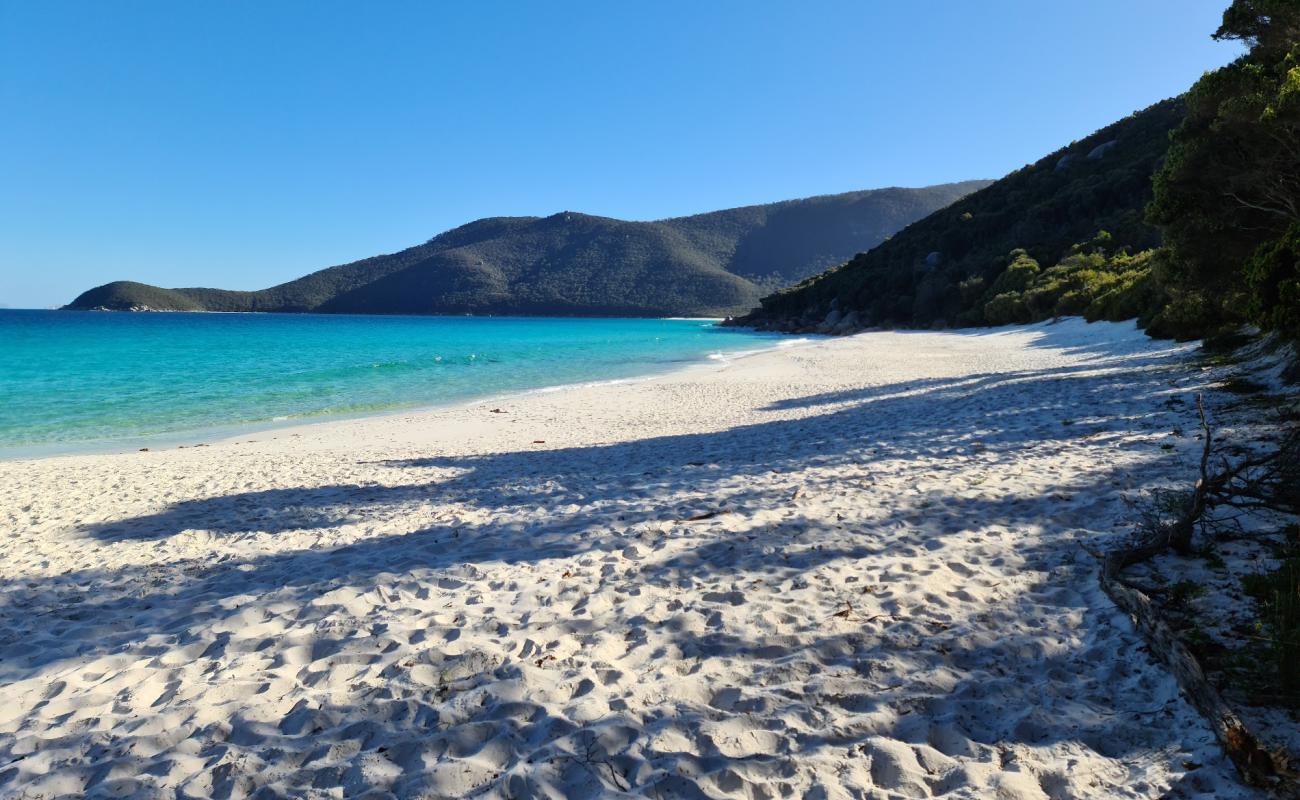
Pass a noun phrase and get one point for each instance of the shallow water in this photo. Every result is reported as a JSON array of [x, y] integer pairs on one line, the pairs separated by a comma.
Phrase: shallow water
[[69, 378]]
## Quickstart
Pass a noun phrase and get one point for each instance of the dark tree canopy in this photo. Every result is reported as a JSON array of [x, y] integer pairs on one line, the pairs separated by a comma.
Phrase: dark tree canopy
[[1228, 198], [1266, 26]]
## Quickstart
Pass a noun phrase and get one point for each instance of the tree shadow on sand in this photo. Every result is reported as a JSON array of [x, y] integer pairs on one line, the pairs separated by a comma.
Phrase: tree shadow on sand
[[914, 694], [641, 479]]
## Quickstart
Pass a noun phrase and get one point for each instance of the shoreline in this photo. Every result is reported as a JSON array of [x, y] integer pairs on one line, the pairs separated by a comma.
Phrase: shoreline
[[216, 434], [851, 566]]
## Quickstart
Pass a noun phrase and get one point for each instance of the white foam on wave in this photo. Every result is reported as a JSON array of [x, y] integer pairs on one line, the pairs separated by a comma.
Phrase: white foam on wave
[[802, 340]]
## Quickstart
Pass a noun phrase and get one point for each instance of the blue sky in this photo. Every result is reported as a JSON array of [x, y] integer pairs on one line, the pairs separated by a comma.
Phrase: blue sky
[[241, 144]]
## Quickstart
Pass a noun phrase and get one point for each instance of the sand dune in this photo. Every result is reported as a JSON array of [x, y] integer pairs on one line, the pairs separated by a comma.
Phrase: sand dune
[[854, 568]]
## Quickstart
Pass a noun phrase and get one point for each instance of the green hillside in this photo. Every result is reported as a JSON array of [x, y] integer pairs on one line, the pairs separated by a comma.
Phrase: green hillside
[[577, 264], [1057, 236]]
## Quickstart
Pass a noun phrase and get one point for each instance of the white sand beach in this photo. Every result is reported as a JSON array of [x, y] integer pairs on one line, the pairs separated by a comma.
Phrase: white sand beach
[[854, 568]]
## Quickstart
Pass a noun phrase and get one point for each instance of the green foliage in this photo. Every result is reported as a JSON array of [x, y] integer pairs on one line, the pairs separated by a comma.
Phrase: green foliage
[[1006, 308], [1273, 277], [1216, 234], [1228, 196], [1039, 214], [1184, 316], [1265, 25], [570, 263], [1088, 282], [127, 295], [1278, 596], [971, 290], [1018, 274], [1133, 295]]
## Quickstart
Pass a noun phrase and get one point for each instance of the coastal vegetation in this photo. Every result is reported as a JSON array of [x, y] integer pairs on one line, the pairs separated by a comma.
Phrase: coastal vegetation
[[1185, 216], [1228, 196], [1278, 594], [1067, 232], [578, 264]]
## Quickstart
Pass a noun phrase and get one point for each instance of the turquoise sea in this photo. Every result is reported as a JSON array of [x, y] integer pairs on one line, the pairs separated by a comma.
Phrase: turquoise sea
[[73, 380]]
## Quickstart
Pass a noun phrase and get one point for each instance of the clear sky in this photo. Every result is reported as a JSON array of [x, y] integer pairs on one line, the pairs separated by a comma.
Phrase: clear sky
[[241, 144]]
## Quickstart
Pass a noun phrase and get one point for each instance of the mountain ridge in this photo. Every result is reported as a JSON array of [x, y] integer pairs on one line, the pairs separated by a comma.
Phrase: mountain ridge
[[577, 264]]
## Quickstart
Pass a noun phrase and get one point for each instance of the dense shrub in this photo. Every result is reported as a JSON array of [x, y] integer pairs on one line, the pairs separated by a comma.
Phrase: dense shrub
[[1134, 295], [1273, 276], [1228, 196], [1006, 308]]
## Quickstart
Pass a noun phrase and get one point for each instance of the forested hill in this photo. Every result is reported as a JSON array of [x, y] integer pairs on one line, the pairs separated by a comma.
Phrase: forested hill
[[1065, 235], [576, 264]]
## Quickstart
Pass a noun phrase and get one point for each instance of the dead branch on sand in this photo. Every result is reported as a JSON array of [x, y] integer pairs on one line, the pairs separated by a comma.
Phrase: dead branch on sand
[[1257, 765]]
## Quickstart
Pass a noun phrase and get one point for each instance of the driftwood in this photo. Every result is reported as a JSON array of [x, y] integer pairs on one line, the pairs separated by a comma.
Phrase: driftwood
[[1257, 765]]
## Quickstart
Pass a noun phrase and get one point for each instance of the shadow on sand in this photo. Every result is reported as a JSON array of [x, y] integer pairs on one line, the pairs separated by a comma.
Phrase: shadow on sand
[[956, 678]]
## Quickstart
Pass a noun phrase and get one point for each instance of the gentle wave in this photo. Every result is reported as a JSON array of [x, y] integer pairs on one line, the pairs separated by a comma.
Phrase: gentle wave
[[71, 378]]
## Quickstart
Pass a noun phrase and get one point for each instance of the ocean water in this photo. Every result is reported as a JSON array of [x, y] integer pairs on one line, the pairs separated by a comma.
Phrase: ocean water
[[71, 380]]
